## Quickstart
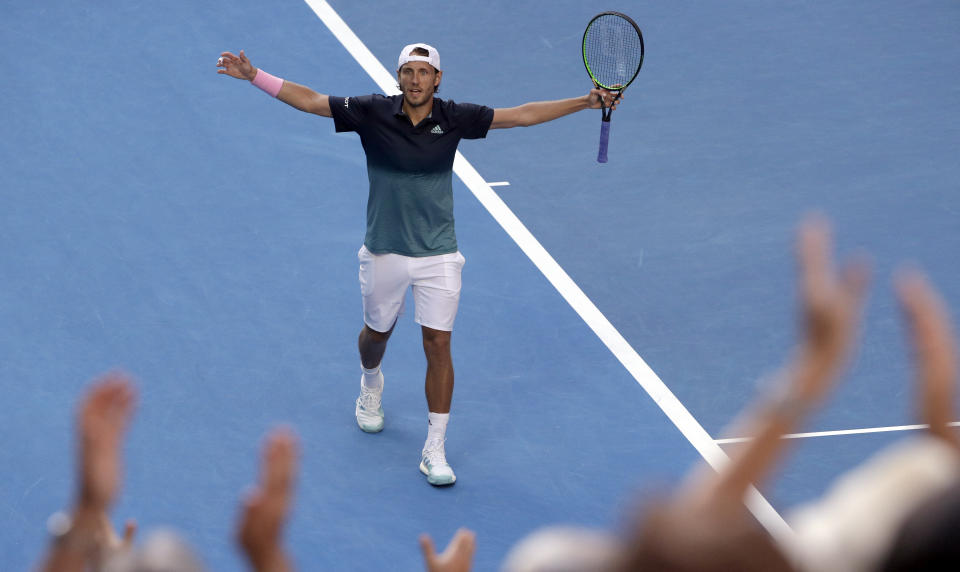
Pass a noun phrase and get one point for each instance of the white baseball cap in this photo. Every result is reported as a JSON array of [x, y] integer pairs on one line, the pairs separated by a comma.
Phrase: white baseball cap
[[433, 59]]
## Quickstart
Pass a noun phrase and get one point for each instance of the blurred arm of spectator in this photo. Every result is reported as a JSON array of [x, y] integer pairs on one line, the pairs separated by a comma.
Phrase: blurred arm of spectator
[[266, 508], [87, 537], [457, 557], [831, 303], [935, 353], [706, 526], [897, 507]]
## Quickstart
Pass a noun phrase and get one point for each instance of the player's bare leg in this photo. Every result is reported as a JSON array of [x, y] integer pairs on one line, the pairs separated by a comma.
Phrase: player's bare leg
[[369, 411], [439, 391], [372, 345], [439, 383]]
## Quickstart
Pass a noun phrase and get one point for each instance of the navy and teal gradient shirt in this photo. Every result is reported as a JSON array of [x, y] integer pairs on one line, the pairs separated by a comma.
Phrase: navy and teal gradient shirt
[[410, 167]]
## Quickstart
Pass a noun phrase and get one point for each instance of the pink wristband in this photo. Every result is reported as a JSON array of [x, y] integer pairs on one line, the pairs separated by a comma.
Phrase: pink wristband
[[268, 83]]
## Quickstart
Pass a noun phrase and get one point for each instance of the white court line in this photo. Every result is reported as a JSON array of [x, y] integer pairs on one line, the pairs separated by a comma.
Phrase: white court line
[[615, 342], [733, 440], [500, 184]]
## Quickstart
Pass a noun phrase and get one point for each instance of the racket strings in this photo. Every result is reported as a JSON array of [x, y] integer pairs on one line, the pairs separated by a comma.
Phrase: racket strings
[[613, 51]]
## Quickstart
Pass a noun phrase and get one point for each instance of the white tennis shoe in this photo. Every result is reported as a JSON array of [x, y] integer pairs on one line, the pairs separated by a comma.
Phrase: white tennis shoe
[[433, 463], [369, 408]]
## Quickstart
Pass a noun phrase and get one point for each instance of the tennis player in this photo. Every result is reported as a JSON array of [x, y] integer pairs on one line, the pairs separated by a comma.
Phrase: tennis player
[[410, 141]]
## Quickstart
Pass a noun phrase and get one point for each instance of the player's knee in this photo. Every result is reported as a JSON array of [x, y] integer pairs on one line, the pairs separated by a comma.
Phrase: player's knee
[[372, 336], [436, 342]]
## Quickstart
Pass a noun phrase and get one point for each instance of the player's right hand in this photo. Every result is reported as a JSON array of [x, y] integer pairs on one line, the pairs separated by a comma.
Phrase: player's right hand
[[236, 66]]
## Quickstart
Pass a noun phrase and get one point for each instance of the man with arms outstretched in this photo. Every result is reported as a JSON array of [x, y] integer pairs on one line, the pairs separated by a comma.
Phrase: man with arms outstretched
[[410, 141]]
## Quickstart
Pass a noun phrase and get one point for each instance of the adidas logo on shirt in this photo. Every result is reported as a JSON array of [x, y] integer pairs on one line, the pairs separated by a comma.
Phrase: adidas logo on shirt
[[436, 130]]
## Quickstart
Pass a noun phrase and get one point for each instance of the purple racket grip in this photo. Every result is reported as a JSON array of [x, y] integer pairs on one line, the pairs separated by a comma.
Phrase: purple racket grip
[[604, 138]]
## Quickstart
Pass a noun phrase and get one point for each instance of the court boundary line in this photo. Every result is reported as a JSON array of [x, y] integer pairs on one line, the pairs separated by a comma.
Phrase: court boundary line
[[836, 433], [565, 286]]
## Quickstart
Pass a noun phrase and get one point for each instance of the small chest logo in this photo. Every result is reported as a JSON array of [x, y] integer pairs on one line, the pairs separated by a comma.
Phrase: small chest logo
[[346, 102], [436, 130]]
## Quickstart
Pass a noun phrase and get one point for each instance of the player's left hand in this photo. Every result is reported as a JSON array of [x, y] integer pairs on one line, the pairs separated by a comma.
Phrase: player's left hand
[[603, 98]]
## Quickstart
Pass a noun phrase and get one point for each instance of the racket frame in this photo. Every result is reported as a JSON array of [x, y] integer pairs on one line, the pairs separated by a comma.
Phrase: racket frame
[[583, 51], [618, 89]]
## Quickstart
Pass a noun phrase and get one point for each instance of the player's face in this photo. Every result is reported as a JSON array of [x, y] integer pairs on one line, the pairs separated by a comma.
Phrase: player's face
[[418, 82]]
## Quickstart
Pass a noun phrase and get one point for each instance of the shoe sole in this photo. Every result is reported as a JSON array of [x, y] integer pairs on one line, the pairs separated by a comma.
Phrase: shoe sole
[[436, 482], [370, 428]]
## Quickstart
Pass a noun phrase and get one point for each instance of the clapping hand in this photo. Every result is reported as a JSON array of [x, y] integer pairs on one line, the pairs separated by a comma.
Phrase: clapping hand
[[458, 556]]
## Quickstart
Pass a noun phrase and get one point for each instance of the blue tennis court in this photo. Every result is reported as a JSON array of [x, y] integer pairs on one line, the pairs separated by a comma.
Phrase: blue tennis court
[[182, 226]]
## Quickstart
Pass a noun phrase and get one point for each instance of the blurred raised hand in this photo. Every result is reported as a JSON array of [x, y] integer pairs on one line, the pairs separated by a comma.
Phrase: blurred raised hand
[[457, 557], [266, 508]]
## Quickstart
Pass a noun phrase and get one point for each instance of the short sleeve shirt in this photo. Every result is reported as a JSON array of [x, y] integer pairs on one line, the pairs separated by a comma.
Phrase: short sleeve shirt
[[410, 168]]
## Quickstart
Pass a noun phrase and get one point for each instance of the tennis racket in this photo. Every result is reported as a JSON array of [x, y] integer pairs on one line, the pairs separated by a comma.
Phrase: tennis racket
[[613, 54]]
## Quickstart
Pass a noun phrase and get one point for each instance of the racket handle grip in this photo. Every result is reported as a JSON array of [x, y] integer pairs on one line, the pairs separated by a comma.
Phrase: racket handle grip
[[604, 139]]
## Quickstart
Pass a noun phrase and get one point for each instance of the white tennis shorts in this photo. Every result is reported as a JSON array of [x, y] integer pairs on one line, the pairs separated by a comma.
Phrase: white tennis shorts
[[384, 279]]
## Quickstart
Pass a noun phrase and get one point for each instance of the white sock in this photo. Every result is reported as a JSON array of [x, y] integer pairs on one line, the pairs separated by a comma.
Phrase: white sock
[[437, 426], [371, 377]]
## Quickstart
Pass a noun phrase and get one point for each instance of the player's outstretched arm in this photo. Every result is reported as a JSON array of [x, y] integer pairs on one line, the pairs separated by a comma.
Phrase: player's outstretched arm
[[294, 95], [542, 111]]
